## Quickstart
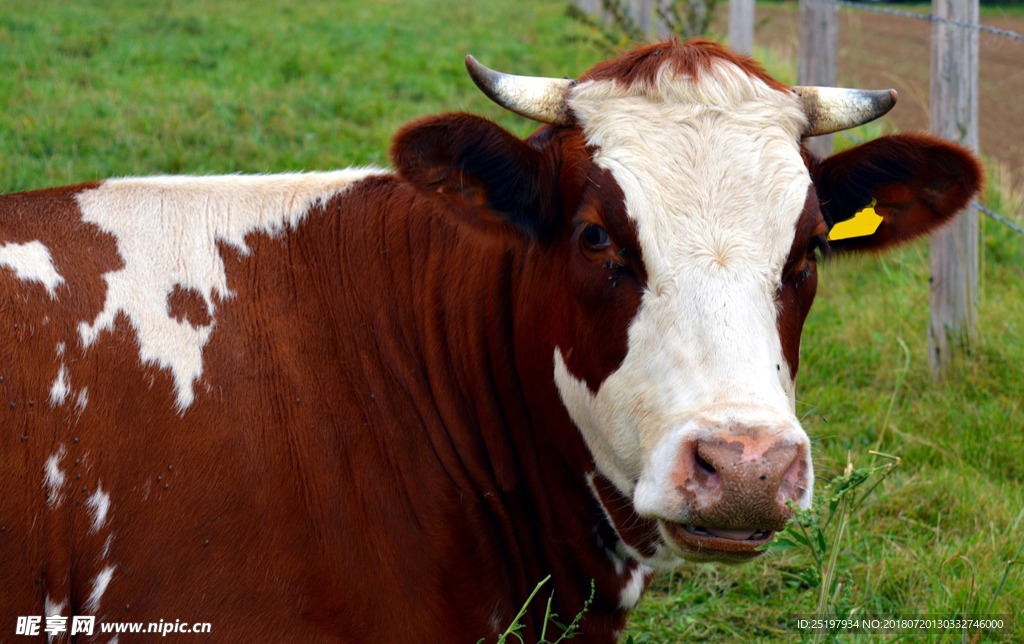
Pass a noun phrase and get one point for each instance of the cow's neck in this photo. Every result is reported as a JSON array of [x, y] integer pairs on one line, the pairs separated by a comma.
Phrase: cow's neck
[[438, 305]]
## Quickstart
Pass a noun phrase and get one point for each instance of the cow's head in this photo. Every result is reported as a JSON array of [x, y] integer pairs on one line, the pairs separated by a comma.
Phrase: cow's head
[[675, 221]]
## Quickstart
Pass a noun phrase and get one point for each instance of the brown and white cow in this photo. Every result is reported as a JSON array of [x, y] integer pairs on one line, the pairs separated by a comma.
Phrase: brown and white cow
[[374, 405]]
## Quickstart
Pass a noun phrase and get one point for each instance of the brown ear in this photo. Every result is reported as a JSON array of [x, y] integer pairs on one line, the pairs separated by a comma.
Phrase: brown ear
[[478, 166], [917, 182]]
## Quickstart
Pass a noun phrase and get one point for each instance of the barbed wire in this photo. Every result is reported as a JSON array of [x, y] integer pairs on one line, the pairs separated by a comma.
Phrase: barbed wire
[[929, 17]]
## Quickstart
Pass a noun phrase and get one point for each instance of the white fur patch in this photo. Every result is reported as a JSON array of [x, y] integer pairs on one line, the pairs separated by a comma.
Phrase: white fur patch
[[51, 609], [99, 586], [60, 387], [53, 478], [98, 504], [634, 587], [82, 399], [167, 230], [32, 262], [712, 174]]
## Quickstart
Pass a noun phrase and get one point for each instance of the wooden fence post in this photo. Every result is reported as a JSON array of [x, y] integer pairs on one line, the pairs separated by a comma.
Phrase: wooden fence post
[[818, 55], [741, 25], [953, 326]]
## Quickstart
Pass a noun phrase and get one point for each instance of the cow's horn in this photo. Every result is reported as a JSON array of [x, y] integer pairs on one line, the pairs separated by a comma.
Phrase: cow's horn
[[831, 109], [540, 99]]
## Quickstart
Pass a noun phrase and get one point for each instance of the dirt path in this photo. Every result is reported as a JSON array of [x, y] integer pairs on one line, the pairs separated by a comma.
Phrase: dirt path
[[878, 51]]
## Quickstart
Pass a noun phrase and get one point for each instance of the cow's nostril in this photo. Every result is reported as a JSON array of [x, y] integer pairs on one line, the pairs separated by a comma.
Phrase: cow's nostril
[[704, 465]]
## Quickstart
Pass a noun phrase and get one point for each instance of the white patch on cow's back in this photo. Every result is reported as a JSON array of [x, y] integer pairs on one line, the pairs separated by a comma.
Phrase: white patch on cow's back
[[98, 504], [99, 586], [167, 230], [60, 387], [31, 262], [54, 477]]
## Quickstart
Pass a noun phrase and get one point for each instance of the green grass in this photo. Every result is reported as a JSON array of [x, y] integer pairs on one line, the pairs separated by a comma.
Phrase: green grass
[[92, 89], [99, 88]]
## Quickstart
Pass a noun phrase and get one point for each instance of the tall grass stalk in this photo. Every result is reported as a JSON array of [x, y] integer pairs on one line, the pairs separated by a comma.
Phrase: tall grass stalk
[[821, 532], [569, 630]]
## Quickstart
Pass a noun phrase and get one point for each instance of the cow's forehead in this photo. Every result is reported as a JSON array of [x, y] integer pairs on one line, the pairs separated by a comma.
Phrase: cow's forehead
[[709, 165]]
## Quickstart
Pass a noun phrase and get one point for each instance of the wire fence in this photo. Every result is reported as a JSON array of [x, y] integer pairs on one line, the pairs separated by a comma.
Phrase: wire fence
[[929, 17], [995, 215]]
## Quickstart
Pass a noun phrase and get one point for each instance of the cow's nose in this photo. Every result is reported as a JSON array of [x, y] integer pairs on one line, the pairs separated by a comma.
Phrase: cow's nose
[[738, 482]]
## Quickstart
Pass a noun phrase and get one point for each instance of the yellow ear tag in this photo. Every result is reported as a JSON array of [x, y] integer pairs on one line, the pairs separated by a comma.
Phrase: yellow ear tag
[[864, 223]]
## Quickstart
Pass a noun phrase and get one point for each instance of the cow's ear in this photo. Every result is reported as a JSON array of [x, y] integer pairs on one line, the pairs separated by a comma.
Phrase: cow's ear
[[915, 183], [485, 170]]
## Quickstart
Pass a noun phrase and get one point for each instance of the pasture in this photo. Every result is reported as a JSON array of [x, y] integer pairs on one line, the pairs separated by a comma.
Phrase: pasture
[[95, 89]]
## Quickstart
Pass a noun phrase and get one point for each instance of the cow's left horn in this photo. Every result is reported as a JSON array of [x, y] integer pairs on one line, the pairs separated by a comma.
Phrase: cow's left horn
[[831, 109], [540, 99]]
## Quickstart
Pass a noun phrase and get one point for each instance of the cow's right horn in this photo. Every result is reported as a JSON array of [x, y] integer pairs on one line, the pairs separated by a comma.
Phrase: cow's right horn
[[537, 98], [831, 109]]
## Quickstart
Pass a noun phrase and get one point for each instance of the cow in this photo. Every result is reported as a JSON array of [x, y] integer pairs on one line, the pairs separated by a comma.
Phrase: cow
[[376, 405]]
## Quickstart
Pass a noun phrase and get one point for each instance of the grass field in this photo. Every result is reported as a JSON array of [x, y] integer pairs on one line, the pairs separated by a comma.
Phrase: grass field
[[98, 88]]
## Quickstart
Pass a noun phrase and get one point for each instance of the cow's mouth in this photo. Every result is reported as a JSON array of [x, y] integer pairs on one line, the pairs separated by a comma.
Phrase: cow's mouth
[[719, 544]]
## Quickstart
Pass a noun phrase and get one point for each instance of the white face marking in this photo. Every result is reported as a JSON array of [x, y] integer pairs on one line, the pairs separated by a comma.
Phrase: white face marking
[[99, 586], [167, 230], [98, 504], [31, 262], [712, 175], [53, 478]]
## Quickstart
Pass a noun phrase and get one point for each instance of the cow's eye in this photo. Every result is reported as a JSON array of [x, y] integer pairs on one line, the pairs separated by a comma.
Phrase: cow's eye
[[595, 238], [803, 274]]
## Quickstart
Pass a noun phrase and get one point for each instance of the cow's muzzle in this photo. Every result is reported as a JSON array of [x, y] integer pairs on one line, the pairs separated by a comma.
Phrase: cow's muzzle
[[733, 489]]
